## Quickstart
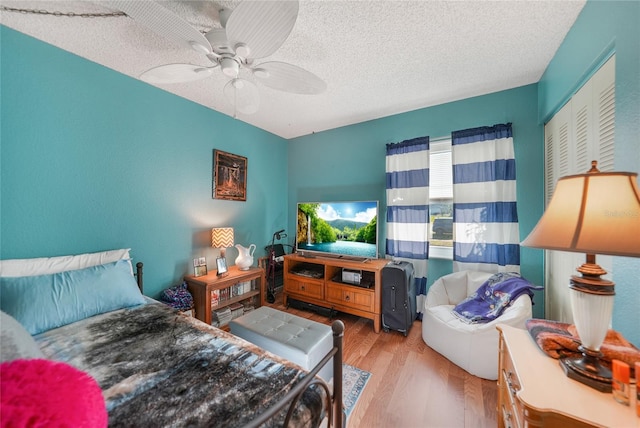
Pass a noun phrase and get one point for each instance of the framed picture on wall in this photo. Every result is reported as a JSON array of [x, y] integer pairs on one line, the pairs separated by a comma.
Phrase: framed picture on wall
[[229, 176]]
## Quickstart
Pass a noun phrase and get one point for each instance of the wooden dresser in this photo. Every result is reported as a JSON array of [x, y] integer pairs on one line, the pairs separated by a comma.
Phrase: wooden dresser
[[533, 391]]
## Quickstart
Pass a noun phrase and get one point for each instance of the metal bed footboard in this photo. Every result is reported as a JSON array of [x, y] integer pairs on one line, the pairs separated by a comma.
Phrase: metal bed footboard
[[335, 416]]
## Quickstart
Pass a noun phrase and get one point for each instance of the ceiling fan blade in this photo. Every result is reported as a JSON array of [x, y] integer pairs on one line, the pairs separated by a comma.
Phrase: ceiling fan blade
[[288, 78], [243, 95], [176, 73], [261, 26], [164, 23]]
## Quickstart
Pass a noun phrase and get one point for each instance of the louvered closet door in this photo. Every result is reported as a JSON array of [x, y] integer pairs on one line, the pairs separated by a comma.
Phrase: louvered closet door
[[559, 265], [582, 131]]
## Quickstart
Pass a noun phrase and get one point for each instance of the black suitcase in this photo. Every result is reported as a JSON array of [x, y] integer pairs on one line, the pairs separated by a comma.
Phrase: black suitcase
[[398, 297]]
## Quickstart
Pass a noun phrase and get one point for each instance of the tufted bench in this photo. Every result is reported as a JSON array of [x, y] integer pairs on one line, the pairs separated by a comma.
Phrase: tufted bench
[[299, 340]]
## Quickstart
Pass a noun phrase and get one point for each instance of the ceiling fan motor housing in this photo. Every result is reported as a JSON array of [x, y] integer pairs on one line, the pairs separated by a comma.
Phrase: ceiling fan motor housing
[[230, 66]]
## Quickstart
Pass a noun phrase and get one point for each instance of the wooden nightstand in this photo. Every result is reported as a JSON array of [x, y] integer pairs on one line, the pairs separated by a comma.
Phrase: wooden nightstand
[[533, 391], [213, 293]]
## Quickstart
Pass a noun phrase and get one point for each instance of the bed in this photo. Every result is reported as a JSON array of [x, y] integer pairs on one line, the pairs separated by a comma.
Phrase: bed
[[153, 365]]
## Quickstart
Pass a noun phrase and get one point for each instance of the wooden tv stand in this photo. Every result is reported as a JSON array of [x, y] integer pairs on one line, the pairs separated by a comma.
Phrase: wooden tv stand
[[320, 283]]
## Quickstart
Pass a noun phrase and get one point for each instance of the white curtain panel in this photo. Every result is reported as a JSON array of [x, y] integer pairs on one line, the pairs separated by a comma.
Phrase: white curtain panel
[[486, 233], [407, 171]]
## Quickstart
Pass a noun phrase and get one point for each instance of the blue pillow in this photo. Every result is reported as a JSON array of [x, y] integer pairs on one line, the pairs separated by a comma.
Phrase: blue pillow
[[43, 302]]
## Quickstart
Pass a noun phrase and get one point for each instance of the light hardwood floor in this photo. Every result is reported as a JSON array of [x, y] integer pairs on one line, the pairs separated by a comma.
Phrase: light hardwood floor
[[411, 384]]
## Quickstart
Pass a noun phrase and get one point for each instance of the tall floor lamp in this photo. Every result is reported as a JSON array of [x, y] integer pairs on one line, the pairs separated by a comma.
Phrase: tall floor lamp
[[592, 213]]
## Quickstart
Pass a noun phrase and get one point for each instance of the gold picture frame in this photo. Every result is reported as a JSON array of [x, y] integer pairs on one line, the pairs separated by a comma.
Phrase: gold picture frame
[[229, 176]]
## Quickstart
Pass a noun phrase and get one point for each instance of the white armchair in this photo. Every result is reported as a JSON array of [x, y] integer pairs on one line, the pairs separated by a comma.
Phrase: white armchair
[[473, 347]]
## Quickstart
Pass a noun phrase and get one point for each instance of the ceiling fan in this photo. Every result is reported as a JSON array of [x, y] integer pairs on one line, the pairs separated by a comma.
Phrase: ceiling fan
[[251, 31]]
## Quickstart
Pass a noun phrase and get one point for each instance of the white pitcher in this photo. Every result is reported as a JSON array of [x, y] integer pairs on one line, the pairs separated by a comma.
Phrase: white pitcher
[[245, 256]]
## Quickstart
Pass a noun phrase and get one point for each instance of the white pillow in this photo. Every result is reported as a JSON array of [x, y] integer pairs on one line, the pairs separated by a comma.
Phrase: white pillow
[[50, 265], [16, 341]]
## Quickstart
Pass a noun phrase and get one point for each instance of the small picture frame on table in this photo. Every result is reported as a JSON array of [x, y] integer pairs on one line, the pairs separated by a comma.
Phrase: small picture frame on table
[[221, 263], [199, 266]]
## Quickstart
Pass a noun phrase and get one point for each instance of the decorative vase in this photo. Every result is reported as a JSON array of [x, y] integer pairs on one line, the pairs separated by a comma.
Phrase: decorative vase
[[245, 256]]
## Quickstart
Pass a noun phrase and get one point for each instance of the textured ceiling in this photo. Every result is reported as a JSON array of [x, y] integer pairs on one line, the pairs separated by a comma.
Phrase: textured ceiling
[[378, 58]]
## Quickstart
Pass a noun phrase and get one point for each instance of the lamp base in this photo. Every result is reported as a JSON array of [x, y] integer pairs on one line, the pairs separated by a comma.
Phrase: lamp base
[[587, 370]]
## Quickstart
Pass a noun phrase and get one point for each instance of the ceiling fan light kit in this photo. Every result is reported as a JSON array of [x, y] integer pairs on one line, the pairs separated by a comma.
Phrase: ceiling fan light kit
[[251, 31], [230, 67]]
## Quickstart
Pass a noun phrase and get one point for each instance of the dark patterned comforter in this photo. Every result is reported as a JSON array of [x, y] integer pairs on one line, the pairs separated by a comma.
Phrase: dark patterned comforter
[[159, 368]]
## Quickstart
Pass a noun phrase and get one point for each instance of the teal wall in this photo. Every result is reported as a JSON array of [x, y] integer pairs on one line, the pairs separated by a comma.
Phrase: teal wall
[[92, 160], [349, 163], [602, 28]]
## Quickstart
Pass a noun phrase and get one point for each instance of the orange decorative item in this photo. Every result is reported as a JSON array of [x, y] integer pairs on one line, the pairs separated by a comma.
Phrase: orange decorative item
[[620, 382]]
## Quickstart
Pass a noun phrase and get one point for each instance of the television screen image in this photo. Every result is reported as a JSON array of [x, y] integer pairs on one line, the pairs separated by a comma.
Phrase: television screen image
[[339, 229]]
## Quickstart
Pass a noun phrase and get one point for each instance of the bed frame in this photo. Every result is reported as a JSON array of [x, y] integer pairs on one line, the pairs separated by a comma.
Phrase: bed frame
[[335, 414]]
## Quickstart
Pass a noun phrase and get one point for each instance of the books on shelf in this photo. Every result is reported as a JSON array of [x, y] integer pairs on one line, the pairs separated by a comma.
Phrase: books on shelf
[[236, 290], [237, 310], [224, 294], [222, 316], [215, 298]]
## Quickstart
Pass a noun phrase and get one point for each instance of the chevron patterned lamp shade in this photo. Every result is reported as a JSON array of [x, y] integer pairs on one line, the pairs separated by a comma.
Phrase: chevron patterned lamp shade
[[222, 237]]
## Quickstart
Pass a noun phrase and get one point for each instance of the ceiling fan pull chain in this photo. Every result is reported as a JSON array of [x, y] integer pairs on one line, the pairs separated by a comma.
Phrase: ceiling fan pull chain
[[65, 14]]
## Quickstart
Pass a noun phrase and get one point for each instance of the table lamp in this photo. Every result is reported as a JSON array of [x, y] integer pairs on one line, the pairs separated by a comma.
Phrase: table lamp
[[222, 238], [592, 213]]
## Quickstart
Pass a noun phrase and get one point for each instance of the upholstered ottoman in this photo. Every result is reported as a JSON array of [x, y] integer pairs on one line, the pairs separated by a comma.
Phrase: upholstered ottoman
[[299, 340]]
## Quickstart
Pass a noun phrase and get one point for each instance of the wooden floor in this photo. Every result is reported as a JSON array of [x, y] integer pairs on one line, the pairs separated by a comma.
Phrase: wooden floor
[[411, 385]]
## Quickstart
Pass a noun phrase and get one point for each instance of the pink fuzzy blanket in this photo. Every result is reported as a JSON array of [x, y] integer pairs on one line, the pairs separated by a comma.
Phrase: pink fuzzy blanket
[[45, 393]]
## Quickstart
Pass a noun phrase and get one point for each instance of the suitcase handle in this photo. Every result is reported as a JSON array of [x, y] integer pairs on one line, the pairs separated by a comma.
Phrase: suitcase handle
[[393, 297]]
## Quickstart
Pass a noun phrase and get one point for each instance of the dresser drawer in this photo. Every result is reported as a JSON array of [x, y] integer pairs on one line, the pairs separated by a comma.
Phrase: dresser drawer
[[354, 297], [511, 410], [305, 288]]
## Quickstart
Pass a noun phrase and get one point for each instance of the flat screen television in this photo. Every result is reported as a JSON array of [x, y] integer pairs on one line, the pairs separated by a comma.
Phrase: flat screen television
[[338, 229]]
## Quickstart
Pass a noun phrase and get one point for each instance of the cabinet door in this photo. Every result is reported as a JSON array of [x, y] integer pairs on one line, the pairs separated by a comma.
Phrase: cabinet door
[[305, 288], [351, 296]]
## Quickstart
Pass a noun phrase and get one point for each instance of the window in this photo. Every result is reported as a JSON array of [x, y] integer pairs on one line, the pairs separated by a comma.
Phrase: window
[[440, 199]]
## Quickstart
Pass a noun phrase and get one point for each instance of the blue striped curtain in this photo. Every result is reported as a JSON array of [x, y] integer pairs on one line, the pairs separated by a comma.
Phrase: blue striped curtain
[[486, 236], [407, 167]]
